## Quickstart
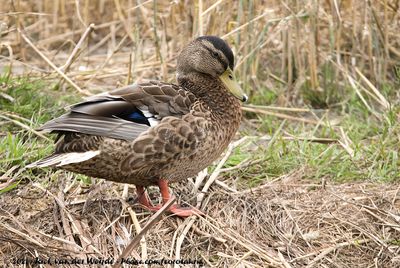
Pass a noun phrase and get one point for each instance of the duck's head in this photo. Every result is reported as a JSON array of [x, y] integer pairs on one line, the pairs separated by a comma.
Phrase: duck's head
[[212, 56]]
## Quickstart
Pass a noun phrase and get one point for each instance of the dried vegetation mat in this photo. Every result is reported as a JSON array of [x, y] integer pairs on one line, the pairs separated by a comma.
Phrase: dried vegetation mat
[[287, 222]]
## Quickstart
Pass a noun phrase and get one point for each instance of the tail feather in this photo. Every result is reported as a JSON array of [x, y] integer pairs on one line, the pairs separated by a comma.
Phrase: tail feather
[[59, 160]]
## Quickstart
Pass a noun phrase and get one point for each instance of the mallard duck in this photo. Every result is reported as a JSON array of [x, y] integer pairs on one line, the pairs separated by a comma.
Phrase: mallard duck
[[154, 133]]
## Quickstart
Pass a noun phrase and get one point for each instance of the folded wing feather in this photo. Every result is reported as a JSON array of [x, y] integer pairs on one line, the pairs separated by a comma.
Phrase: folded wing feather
[[123, 113]]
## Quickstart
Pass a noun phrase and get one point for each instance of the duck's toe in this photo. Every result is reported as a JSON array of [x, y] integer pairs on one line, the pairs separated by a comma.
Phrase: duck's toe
[[184, 211], [176, 210]]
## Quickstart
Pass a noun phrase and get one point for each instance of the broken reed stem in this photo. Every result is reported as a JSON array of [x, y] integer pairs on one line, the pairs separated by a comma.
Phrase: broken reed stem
[[217, 170], [19, 233], [63, 75], [286, 109], [134, 242], [211, 7], [129, 76], [77, 48], [380, 98], [326, 251], [300, 15], [182, 237], [138, 228], [284, 116], [200, 17], [24, 126], [93, 76]]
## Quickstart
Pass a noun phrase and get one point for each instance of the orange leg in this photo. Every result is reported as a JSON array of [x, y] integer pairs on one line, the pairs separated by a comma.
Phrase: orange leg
[[175, 209], [164, 190], [144, 198]]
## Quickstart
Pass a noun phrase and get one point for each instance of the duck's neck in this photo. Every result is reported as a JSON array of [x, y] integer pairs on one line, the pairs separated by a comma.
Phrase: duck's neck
[[213, 93]]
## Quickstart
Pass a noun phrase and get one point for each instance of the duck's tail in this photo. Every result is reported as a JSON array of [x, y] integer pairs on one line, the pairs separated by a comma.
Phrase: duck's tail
[[58, 160]]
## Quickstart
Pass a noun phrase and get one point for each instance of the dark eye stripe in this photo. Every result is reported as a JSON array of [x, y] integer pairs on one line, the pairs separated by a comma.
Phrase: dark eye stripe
[[222, 46], [210, 50], [217, 56]]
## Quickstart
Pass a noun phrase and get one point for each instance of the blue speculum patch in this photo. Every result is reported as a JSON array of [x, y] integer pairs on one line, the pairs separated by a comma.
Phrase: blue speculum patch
[[137, 117]]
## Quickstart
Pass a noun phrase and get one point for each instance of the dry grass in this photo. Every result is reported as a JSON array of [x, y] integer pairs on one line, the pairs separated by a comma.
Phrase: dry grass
[[315, 53], [285, 223], [285, 46]]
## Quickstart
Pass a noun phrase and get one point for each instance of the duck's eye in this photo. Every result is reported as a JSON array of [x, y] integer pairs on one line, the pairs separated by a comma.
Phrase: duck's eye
[[215, 54], [230, 77]]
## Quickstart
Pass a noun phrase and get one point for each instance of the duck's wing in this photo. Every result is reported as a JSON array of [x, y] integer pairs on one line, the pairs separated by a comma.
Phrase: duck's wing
[[124, 113]]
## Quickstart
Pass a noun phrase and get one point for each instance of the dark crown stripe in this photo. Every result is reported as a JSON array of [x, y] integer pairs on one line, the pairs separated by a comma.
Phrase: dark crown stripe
[[224, 63], [221, 45]]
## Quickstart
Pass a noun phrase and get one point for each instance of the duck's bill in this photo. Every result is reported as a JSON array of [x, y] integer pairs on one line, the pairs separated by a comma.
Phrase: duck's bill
[[229, 80]]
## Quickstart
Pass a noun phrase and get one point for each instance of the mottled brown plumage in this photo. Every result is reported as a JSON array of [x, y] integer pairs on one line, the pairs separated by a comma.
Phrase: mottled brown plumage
[[152, 133]]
